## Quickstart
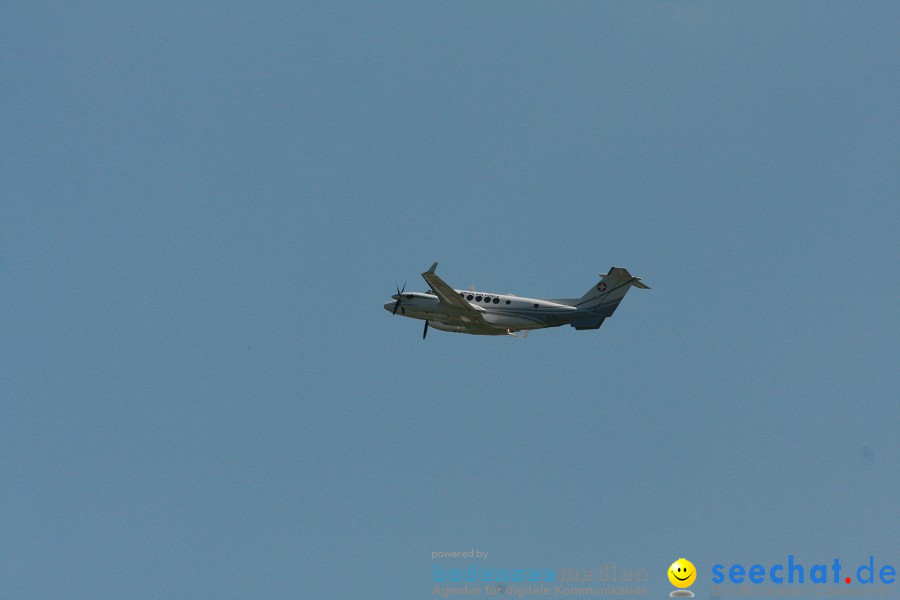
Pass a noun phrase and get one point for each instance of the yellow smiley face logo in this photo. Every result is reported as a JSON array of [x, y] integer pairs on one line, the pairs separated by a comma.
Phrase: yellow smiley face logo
[[682, 573]]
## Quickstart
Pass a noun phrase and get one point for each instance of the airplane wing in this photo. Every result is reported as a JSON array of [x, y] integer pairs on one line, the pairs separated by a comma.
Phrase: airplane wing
[[446, 294]]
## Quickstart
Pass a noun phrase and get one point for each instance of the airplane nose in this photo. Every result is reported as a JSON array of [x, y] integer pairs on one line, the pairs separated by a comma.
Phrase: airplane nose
[[389, 307]]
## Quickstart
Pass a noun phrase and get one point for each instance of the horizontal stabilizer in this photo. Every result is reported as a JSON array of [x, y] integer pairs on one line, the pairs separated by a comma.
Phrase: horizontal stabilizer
[[604, 297]]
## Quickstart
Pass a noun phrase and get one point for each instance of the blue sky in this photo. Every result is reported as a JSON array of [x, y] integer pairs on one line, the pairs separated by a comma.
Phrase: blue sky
[[205, 206]]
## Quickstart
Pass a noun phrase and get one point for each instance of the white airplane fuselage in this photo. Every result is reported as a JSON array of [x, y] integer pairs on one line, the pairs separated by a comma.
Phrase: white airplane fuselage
[[503, 312]]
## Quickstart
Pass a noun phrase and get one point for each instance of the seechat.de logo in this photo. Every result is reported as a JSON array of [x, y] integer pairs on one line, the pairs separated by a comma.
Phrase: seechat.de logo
[[796, 572]]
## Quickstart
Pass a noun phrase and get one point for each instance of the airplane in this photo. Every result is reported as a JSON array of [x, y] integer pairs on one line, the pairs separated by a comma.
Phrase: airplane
[[481, 313]]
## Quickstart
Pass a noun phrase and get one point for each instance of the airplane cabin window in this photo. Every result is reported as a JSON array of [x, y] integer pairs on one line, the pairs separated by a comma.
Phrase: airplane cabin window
[[469, 297], [496, 300], [535, 305], [507, 301], [477, 298]]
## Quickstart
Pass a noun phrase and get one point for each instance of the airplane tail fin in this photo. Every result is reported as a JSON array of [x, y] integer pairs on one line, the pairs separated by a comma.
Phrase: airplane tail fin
[[604, 297]]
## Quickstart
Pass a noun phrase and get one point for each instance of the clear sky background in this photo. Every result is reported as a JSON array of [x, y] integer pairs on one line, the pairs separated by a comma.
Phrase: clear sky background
[[205, 206]]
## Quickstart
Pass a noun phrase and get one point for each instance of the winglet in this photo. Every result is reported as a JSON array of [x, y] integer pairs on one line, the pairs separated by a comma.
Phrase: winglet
[[433, 267]]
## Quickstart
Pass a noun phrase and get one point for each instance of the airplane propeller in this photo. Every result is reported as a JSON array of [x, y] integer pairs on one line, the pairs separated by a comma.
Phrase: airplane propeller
[[399, 294], [425, 332]]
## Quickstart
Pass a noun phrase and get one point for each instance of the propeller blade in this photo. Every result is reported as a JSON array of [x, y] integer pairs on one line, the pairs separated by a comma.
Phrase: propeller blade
[[425, 332], [399, 293]]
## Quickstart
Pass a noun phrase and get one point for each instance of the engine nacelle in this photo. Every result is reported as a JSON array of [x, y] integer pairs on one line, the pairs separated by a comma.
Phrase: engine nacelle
[[501, 321], [450, 328]]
